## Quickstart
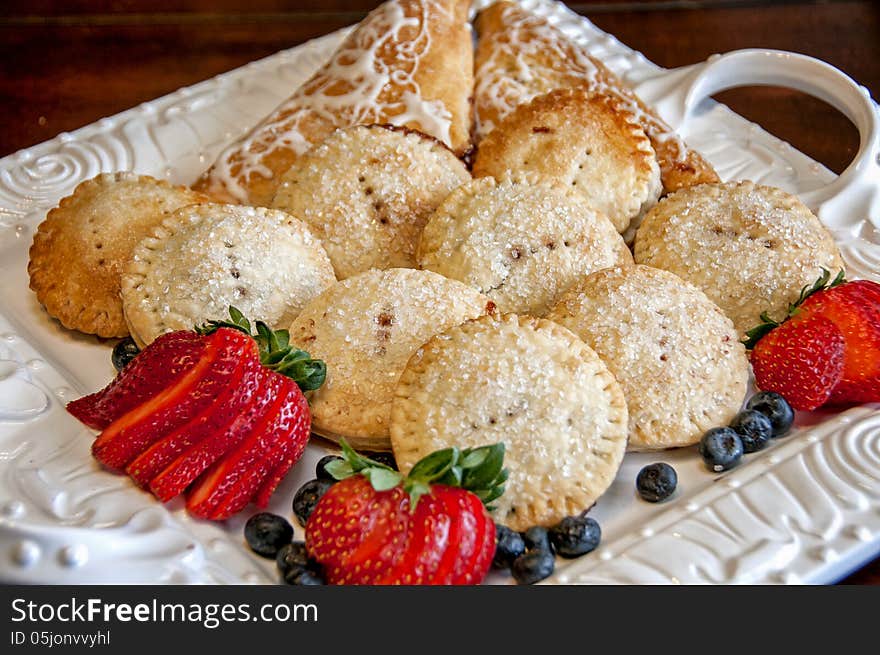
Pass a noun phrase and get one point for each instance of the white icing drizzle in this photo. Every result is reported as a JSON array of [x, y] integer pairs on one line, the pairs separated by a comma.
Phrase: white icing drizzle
[[513, 74], [372, 78]]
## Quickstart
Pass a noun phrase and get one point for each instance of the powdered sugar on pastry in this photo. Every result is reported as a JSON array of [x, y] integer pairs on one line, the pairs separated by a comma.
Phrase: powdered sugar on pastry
[[405, 64], [521, 55]]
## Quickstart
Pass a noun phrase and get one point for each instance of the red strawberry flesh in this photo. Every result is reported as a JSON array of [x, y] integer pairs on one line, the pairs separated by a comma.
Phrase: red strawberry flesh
[[287, 436], [802, 359], [160, 365], [210, 423], [854, 308], [134, 432], [184, 470]]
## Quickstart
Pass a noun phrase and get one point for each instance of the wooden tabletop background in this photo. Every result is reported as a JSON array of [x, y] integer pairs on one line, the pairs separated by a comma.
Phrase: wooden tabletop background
[[67, 64]]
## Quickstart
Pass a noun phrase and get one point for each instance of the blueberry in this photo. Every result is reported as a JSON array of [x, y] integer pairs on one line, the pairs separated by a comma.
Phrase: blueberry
[[509, 546], [574, 536], [307, 496], [721, 449], [266, 533], [383, 457], [776, 408], [303, 576], [753, 428], [656, 482], [533, 566], [291, 555], [320, 470], [296, 567], [537, 538], [123, 352]]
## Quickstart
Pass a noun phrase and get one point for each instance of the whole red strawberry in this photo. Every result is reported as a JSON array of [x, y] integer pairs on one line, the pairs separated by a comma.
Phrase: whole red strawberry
[[376, 526], [826, 350], [218, 412]]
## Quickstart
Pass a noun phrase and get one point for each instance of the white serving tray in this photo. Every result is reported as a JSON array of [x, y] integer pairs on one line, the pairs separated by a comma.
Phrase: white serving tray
[[805, 510]]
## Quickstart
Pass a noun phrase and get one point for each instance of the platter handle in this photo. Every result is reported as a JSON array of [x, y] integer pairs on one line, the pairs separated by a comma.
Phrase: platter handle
[[851, 198]]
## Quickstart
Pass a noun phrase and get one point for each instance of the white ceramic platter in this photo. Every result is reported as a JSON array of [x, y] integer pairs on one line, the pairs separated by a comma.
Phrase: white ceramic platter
[[807, 509]]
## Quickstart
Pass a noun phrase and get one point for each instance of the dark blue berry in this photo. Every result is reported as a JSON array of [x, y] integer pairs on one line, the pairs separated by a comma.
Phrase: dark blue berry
[[307, 496], [383, 457], [509, 545], [537, 538], [721, 449], [291, 555], [574, 536], [776, 408], [266, 533], [754, 429], [320, 470], [123, 352], [533, 566], [303, 576], [296, 567], [656, 482]]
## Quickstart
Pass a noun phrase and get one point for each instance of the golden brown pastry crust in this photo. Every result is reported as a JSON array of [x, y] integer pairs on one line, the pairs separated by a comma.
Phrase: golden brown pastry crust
[[520, 55], [409, 62], [584, 141], [81, 248]]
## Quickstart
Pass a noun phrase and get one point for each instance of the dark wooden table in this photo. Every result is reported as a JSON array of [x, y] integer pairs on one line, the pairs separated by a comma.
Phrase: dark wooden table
[[66, 64]]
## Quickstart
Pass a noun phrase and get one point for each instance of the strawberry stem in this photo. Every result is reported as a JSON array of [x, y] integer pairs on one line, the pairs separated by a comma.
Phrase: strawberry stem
[[479, 470], [758, 332], [276, 353]]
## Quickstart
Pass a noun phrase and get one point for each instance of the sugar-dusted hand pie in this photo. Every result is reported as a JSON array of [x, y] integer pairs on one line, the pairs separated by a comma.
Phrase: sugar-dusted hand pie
[[530, 384], [366, 192], [206, 257], [522, 244], [579, 139], [409, 63], [366, 328], [750, 248], [81, 248], [521, 55], [674, 353]]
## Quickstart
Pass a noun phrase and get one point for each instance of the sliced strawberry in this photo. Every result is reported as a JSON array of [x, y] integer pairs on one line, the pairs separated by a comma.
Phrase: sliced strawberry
[[134, 432], [362, 530], [472, 530], [160, 365], [288, 436], [359, 533], [289, 452], [230, 484], [265, 389], [802, 359], [852, 307], [212, 421], [429, 539]]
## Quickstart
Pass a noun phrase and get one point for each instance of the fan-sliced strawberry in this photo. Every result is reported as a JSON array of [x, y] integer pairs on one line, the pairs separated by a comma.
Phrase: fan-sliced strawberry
[[379, 527], [289, 452], [176, 477], [802, 360], [474, 526], [853, 307], [211, 422], [133, 433], [168, 358], [429, 540], [368, 545], [230, 485]]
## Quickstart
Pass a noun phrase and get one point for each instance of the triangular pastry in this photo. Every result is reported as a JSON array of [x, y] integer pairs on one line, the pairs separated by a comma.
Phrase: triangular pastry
[[520, 55], [408, 63]]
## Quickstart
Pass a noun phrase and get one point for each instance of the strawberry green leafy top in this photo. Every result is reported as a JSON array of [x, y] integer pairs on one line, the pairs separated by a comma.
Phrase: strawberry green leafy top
[[276, 353]]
